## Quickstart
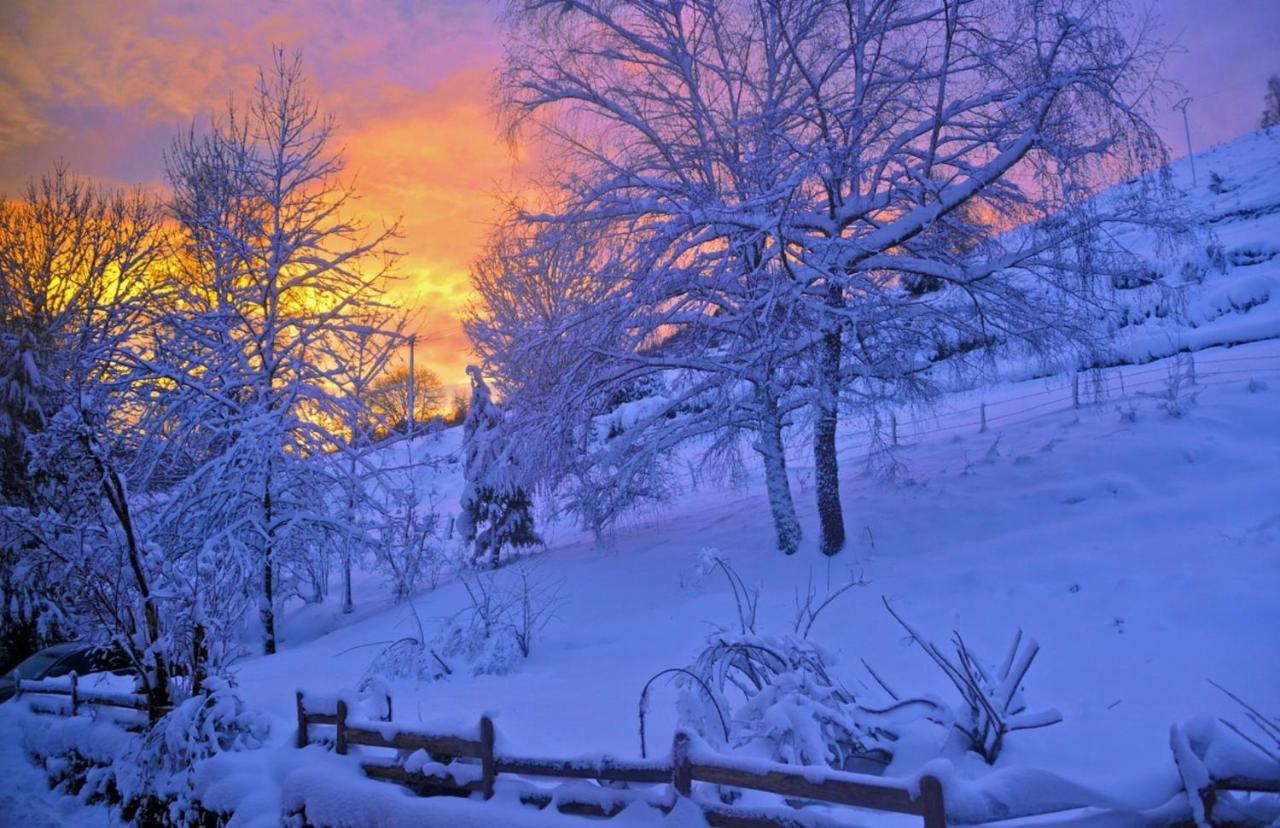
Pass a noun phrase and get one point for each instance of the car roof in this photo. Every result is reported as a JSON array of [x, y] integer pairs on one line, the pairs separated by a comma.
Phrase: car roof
[[65, 648]]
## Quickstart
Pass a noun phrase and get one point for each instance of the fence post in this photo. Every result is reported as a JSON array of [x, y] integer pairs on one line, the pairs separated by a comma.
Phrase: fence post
[[681, 767], [303, 741], [389, 705], [1191, 367], [982, 417], [75, 696], [1075, 390], [340, 743], [893, 425], [931, 804], [488, 768]]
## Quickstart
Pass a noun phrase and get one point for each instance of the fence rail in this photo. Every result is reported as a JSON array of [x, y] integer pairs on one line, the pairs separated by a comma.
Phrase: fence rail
[[461, 765], [78, 697]]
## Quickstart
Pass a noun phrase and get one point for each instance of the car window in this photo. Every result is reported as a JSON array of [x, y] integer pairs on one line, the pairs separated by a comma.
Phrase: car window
[[35, 666], [60, 669], [82, 662]]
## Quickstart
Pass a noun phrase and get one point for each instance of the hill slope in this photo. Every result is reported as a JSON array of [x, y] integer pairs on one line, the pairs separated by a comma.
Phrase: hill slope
[[1137, 537]]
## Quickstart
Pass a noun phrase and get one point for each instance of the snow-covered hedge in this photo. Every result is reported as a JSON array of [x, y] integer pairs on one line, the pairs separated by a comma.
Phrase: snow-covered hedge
[[150, 777]]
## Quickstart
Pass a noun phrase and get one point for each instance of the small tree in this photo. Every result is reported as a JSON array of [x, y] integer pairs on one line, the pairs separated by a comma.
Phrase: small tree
[[1271, 103], [543, 318], [276, 270], [496, 510], [360, 355], [457, 413]]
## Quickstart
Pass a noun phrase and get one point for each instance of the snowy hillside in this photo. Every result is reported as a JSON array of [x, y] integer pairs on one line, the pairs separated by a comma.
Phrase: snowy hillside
[[1222, 291], [1136, 537]]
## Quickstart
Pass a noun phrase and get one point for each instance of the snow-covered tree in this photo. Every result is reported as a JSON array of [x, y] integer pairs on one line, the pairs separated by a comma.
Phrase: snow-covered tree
[[75, 284], [497, 511], [779, 180], [544, 326], [360, 354], [275, 270], [74, 262]]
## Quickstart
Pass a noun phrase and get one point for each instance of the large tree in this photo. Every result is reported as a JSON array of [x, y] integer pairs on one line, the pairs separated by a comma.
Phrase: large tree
[[793, 184], [77, 286]]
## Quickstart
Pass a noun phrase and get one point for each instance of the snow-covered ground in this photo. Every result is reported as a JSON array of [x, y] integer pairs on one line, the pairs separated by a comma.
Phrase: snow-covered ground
[[1140, 547], [1143, 553]]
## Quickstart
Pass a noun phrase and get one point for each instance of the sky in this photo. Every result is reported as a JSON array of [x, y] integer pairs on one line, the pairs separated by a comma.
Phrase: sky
[[104, 86]]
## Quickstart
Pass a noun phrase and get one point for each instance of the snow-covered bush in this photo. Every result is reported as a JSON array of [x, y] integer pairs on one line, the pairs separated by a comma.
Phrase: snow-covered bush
[[991, 701], [1200, 263], [78, 754], [505, 613], [784, 703], [408, 549], [156, 781], [775, 696], [150, 777], [1217, 184], [1227, 769]]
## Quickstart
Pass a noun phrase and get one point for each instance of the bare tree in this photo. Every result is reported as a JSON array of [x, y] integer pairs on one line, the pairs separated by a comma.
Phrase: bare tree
[[277, 268], [389, 396], [780, 180], [360, 354], [76, 285]]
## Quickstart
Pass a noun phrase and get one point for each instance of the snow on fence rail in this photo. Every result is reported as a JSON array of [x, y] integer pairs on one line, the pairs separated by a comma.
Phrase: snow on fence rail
[[459, 765], [78, 697]]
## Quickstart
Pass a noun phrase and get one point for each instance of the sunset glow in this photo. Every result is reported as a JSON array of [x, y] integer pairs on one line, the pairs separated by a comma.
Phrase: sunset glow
[[106, 86]]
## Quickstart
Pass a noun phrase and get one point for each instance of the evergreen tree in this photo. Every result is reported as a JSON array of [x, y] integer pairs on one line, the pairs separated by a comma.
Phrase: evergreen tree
[[1271, 103], [496, 510]]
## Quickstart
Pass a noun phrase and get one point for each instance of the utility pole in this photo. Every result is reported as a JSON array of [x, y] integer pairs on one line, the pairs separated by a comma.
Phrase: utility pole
[[1186, 125], [413, 346]]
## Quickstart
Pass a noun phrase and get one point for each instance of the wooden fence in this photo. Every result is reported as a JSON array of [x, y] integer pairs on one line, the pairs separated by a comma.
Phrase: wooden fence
[[462, 765], [78, 697]]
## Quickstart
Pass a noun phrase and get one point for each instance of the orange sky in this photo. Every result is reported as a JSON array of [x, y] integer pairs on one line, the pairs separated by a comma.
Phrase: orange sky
[[105, 85]]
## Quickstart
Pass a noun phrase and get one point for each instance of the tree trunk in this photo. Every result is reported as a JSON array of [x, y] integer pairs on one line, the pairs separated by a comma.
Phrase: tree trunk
[[347, 604], [769, 444], [826, 466], [268, 606], [199, 660], [268, 573], [152, 660]]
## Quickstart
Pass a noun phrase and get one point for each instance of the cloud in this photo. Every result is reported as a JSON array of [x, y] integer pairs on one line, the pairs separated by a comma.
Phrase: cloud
[[105, 86]]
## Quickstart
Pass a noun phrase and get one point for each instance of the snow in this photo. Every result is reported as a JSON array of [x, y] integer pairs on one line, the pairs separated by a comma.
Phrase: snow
[[1141, 550], [24, 797], [333, 795], [1140, 554]]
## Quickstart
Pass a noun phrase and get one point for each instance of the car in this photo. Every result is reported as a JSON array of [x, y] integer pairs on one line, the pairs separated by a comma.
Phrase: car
[[60, 660]]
